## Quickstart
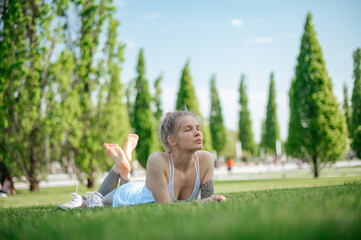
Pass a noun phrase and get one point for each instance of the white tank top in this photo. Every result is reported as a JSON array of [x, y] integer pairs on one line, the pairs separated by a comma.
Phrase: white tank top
[[196, 188]]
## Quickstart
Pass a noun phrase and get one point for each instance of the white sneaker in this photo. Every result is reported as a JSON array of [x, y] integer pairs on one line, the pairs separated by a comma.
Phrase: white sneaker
[[3, 195], [95, 199], [76, 202]]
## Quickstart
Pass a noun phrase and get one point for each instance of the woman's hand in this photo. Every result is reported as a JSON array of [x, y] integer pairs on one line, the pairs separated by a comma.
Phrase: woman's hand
[[214, 198]]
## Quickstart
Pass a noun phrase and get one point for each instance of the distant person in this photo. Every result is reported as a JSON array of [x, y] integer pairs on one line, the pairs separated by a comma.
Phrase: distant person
[[182, 173], [7, 187], [229, 164], [215, 163], [275, 160]]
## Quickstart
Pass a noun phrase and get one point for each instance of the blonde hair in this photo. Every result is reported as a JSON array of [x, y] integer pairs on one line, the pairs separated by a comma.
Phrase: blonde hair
[[170, 124]]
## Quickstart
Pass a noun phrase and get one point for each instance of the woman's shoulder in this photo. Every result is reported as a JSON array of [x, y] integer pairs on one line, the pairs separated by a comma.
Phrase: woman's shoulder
[[157, 158], [205, 156], [206, 164]]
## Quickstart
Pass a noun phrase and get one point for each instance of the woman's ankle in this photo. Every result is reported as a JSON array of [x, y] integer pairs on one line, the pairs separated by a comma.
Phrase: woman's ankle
[[123, 175]]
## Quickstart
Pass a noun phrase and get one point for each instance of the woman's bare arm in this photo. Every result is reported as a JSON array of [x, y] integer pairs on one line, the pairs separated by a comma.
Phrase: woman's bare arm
[[207, 186], [156, 180]]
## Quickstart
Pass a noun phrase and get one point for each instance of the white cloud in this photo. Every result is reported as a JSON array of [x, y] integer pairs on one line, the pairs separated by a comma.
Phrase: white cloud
[[259, 40], [236, 22], [153, 15], [264, 40]]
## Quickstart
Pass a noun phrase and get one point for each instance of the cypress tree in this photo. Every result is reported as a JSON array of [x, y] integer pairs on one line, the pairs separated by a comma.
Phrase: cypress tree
[[244, 123], [158, 112], [356, 104], [271, 134], [143, 116], [218, 131], [317, 127], [186, 97], [346, 108], [130, 94], [263, 135], [292, 145], [157, 99]]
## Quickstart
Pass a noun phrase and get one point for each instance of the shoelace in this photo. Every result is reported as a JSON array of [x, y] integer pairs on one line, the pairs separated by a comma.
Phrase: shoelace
[[90, 196], [74, 198], [75, 195]]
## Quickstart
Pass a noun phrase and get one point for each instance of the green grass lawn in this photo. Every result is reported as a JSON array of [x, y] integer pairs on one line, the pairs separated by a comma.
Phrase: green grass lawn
[[326, 208]]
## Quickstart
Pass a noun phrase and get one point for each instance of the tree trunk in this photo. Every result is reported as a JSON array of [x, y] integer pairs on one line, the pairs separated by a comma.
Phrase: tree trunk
[[34, 185], [91, 181], [316, 167]]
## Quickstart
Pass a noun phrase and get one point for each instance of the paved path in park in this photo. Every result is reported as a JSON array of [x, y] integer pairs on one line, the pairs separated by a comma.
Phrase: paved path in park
[[239, 172]]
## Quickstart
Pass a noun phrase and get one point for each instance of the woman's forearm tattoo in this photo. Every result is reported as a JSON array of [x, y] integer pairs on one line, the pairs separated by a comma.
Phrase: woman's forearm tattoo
[[207, 189]]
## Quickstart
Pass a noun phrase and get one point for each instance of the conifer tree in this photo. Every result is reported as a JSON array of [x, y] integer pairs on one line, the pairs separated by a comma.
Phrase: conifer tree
[[158, 112], [157, 99], [271, 134], [317, 128], [143, 116], [218, 131], [346, 108], [244, 123], [186, 97], [263, 135], [356, 104], [130, 94]]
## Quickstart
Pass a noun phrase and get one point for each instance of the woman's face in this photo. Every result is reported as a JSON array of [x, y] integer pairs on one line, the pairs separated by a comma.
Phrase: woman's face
[[189, 135]]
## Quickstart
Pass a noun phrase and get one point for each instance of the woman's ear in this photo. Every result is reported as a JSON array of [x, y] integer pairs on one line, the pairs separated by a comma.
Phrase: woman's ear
[[171, 141]]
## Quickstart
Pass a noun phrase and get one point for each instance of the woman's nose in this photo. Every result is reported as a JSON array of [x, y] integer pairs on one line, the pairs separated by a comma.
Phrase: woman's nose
[[197, 132]]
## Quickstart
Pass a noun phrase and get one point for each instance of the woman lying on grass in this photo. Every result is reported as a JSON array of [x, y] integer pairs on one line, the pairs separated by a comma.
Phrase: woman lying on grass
[[182, 173]]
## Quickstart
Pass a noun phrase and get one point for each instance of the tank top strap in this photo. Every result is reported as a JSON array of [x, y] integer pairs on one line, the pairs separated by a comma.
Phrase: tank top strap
[[197, 168], [171, 167]]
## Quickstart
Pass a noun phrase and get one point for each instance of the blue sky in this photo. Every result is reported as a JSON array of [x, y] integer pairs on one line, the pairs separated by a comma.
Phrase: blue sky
[[230, 37]]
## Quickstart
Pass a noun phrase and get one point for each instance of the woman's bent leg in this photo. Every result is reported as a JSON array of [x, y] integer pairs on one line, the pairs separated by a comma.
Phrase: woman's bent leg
[[110, 183], [108, 199]]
